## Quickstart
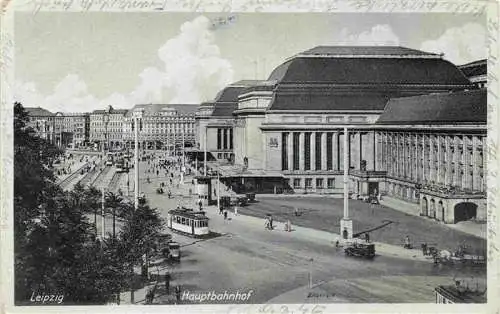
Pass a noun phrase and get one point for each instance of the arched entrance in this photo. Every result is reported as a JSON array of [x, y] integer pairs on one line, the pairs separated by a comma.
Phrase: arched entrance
[[433, 209], [425, 207], [465, 211]]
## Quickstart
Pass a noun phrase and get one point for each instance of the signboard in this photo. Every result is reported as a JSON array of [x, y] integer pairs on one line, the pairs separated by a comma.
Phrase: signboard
[[273, 142]]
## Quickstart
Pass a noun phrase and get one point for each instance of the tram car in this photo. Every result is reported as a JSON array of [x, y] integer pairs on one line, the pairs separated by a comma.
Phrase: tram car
[[188, 222]]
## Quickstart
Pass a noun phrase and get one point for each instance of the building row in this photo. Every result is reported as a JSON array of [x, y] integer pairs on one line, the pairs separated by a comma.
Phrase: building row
[[416, 129], [159, 126]]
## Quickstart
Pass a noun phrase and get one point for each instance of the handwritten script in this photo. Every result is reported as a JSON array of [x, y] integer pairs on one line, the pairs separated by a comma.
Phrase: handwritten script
[[472, 7], [278, 309], [492, 143]]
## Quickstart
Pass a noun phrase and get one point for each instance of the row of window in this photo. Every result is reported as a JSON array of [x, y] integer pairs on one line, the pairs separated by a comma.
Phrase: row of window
[[224, 139], [224, 155], [299, 183], [190, 222]]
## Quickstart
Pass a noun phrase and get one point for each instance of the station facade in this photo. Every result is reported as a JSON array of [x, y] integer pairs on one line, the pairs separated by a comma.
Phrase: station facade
[[416, 129]]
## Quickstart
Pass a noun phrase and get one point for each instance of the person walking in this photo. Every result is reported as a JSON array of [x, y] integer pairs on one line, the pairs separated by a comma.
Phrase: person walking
[[178, 293], [221, 210], [225, 215], [236, 210], [407, 243], [167, 283]]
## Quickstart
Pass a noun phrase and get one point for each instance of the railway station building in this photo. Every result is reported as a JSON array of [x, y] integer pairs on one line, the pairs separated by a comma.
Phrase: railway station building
[[416, 129]]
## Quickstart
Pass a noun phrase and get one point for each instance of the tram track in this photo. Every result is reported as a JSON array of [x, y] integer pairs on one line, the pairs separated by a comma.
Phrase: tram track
[[66, 182], [114, 182], [100, 176]]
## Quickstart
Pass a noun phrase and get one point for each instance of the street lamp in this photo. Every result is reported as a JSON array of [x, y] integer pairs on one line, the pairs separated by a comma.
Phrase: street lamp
[[346, 222], [218, 188], [205, 152], [136, 116], [310, 273], [103, 231]]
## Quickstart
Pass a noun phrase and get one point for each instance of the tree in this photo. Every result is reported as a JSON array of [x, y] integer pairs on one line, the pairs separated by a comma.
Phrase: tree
[[118, 207], [55, 249]]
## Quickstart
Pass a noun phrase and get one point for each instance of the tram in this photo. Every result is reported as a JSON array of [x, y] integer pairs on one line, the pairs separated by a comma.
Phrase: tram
[[188, 222], [109, 159], [121, 165]]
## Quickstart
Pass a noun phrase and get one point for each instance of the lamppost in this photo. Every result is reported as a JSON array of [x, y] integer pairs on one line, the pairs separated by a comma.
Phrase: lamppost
[[205, 152], [310, 273], [218, 188], [346, 222], [103, 231], [137, 116]]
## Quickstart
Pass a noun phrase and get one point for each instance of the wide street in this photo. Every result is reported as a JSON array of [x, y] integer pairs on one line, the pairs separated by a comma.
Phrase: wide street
[[276, 264]]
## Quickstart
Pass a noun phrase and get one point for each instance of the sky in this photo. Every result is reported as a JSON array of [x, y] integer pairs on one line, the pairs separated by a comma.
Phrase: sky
[[74, 62]]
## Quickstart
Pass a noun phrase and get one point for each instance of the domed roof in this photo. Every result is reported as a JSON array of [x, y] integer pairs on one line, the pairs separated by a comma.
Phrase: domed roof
[[360, 78], [361, 65]]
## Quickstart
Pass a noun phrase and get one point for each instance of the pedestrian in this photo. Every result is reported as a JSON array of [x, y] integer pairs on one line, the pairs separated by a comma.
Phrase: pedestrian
[[221, 210], [271, 223], [200, 203], [424, 249], [407, 243], [225, 215], [236, 210], [367, 237], [296, 211], [178, 293]]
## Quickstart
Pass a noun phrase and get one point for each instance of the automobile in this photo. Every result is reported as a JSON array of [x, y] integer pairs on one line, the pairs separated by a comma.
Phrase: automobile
[[174, 251], [360, 250], [242, 201], [250, 196]]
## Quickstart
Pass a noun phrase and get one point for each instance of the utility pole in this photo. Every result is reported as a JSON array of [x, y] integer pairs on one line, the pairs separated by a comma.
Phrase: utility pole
[[346, 228], [218, 189], [103, 231], [205, 153]]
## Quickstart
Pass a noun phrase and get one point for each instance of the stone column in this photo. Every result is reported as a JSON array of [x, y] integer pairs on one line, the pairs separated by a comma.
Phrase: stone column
[[455, 162], [425, 177], [431, 159], [289, 151], [439, 177], [312, 153], [335, 151], [485, 160], [323, 152], [465, 162], [415, 159], [391, 152], [447, 170], [301, 151], [397, 161], [475, 175]]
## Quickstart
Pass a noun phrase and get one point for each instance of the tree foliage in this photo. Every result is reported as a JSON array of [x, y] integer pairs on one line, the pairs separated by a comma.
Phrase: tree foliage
[[56, 251]]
